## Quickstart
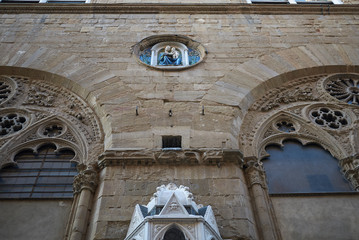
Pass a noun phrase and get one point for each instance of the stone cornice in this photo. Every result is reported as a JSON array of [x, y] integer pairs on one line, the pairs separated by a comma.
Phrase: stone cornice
[[149, 157], [155, 8]]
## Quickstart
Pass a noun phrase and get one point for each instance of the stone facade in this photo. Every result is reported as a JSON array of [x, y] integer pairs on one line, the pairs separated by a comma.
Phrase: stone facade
[[75, 66]]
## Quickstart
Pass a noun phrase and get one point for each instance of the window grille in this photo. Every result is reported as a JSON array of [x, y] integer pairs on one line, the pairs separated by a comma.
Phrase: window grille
[[47, 174], [171, 142], [303, 169]]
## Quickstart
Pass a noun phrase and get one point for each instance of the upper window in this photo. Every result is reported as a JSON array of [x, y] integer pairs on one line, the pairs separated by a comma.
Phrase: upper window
[[45, 174], [303, 169]]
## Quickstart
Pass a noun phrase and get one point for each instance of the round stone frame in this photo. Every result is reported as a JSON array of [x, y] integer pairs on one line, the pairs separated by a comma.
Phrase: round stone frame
[[176, 40], [307, 111], [343, 87], [43, 128], [20, 112]]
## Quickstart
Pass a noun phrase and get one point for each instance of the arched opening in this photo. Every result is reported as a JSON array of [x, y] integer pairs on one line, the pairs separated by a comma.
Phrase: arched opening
[[295, 168], [174, 234], [48, 173]]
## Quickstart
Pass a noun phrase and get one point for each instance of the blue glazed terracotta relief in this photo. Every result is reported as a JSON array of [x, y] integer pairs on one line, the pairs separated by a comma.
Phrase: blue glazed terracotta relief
[[170, 56], [169, 52]]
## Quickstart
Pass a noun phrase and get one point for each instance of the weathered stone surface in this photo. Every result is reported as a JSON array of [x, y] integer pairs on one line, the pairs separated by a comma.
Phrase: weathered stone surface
[[312, 213], [22, 219]]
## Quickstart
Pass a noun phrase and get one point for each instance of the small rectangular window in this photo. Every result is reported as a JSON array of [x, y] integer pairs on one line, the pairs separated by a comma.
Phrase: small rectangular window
[[172, 142]]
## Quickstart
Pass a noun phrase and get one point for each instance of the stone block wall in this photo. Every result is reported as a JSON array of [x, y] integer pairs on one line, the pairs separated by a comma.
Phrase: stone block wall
[[223, 188], [35, 219], [322, 217], [94, 51]]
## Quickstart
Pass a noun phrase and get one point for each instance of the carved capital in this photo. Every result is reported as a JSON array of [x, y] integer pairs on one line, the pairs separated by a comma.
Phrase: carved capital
[[86, 179], [255, 173]]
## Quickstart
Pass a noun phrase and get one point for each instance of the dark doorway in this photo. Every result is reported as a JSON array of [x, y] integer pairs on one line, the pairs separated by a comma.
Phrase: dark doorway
[[174, 234]]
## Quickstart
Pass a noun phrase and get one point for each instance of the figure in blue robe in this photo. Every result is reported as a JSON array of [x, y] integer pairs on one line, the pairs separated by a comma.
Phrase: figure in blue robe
[[170, 57]]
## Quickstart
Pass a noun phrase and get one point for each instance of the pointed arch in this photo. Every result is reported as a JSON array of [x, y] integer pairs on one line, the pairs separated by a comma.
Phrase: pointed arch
[[50, 104], [305, 132], [161, 234]]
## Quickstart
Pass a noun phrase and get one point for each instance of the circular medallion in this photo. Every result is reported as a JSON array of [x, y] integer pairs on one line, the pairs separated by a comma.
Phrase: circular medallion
[[344, 87], [169, 52]]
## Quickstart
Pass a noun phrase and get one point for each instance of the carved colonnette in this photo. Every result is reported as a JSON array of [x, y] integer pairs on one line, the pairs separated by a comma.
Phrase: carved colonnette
[[85, 184], [263, 211]]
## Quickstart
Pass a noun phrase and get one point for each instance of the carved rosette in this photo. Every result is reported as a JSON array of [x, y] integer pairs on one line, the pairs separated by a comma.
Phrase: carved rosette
[[86, 179], [255, 174]]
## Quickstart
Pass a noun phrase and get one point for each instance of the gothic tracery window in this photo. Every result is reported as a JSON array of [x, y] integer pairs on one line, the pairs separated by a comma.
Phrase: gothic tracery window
[[46, 174], [303, 169]]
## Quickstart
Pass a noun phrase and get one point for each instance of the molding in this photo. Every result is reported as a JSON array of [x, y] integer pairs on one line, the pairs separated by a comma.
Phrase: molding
[[322, 194], [155, 8], [150, 157]]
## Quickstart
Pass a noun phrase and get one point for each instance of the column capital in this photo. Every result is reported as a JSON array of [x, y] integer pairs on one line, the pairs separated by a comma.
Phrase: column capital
[[86, 179], [255, 173]]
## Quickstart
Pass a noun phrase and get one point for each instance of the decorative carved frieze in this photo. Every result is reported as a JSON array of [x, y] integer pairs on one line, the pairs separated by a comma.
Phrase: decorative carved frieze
[[284, 97], [294, 91], [350, 169], [40, 97], [10, 89], [69, 106], [154, 157], [86, 179]]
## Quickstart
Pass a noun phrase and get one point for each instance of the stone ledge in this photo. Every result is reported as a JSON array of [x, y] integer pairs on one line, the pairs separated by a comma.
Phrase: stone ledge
[[155, 8], [172, 157]]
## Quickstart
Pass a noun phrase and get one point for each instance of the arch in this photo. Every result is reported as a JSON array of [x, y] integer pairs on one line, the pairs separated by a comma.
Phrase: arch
[[31, 138], [174, 233], [161, 234], [69, 76], [305, 132], [50, 101]]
